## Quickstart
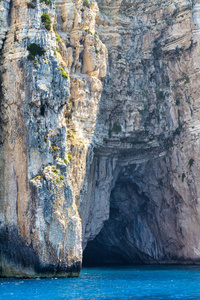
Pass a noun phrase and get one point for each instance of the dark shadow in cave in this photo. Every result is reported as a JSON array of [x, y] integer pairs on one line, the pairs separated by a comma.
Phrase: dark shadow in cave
[[116, 242], [96, 254], [102, 252], [123, 240]]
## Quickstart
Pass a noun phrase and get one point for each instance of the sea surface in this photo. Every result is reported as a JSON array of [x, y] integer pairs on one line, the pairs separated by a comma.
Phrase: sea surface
[[138, 282]]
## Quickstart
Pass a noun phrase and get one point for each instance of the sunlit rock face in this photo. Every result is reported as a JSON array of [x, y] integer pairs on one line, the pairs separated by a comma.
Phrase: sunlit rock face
[[148, 133], [99, 134], [49, 105]]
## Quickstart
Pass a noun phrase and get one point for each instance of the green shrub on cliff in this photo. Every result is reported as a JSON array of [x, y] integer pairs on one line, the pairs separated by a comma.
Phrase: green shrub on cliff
[[58, 38], [46, 20], [64, 74], [65, 160], [88, 31], [116, 128], [187, 80], [34, 50], [48, 2], [69, 157], [86, 3], [191, 161], [56, 50], [54, 170]]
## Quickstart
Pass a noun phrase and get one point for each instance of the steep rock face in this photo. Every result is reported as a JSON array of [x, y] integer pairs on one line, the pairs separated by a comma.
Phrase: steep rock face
[[45, 77], [148, 130], [4, 20], [82, 159]]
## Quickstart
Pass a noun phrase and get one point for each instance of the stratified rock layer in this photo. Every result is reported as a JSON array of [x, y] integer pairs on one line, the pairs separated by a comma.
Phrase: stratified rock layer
[[148, 132], [44, 147], [84, 158]]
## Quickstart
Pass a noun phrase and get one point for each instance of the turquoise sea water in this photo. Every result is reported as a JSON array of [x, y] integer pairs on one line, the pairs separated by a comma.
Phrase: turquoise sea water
[[139, 282]]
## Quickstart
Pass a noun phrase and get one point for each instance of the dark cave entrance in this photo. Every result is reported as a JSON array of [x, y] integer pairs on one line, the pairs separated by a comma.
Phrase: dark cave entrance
[[101, 252], [97, 254], [120, 241]]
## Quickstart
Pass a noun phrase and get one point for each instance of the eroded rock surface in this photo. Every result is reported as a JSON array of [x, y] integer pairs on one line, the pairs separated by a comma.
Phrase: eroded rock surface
[[99, 129], [44, 144], [148, 130]]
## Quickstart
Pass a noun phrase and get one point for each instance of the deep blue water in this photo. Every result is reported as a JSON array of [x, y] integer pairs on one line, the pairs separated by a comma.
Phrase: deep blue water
[[139, 282]]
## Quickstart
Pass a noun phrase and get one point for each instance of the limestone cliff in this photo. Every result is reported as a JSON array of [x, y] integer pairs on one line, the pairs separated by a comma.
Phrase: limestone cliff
[[50, 89], [148, 132], [99, 134]]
